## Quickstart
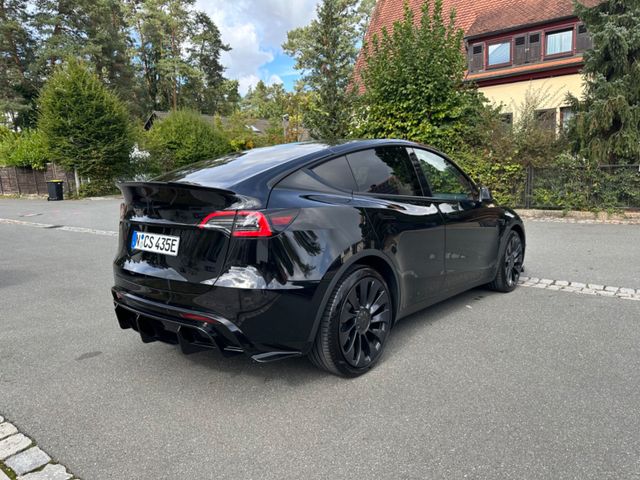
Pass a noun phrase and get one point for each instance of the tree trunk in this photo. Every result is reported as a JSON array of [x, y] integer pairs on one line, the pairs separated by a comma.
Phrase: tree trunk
[[174, 99], [77, 179]]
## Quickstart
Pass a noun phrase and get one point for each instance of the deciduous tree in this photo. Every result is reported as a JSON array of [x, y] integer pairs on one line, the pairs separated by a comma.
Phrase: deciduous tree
[[413, 77]]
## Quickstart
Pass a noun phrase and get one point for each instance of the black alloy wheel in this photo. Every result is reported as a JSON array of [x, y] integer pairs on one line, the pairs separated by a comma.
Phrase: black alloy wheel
[[510, 266], [513, 260], [365, 319], [355, 324]]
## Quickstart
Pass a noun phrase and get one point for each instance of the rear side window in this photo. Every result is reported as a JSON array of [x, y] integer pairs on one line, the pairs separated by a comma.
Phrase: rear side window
[[336, 173], [385, 170], [326, 177]]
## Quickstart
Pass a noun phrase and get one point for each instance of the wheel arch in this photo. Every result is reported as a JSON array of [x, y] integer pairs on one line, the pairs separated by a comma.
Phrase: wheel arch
[[367, 258], [520, 230]]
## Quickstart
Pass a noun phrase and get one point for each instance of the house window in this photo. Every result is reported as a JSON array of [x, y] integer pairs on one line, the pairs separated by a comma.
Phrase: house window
[[499, 54], [546, 119], [559, 42], [507, 120], [566, 114]]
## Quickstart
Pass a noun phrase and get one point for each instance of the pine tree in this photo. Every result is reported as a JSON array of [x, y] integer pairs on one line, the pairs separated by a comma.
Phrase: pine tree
[[607, 125], [204, 51], [18, 84], [108, 44], [179, 55], [326, 50]]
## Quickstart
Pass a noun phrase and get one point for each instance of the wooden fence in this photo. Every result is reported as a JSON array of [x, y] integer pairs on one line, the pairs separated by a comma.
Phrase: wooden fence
[[27, 181]]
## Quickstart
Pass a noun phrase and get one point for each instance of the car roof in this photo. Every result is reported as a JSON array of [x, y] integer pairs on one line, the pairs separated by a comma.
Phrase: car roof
[[261, 164], [249, 172]]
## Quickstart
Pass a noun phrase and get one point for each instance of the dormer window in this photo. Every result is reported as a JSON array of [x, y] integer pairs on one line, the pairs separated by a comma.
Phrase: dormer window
[[524, 47], [499, 54], [560, 42]]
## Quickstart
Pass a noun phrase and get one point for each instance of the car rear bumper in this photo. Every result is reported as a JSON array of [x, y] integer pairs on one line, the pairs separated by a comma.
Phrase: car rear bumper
[[191, 330]]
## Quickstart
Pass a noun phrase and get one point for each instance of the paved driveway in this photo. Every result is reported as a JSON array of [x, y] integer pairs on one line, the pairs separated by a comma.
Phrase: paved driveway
[[533, 384]]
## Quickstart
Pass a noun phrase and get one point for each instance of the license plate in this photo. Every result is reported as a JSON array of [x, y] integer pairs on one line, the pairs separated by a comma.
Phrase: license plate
[[153, 242]]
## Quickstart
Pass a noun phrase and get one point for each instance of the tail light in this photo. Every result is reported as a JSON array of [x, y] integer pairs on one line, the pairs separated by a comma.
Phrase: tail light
[[123, 210], [249, 223]]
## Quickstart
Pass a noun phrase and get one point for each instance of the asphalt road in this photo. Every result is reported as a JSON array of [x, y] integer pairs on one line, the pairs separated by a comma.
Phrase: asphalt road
[[532, 384]]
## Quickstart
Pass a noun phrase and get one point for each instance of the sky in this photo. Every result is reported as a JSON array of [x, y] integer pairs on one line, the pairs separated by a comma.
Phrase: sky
[[255, 30]]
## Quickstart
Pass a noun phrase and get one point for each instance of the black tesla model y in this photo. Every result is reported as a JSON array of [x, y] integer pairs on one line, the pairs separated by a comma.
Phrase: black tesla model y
[[306, 249]]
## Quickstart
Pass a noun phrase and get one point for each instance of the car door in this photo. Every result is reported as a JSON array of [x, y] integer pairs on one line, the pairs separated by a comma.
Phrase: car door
[[472, 227], [409, 227]]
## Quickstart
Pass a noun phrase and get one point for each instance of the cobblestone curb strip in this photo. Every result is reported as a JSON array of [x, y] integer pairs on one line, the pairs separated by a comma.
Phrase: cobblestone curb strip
[[20, 459], [582, 288], [558, 216]]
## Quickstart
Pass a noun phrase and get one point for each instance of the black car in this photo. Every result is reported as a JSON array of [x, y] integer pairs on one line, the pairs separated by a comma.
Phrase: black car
[[306, 249]]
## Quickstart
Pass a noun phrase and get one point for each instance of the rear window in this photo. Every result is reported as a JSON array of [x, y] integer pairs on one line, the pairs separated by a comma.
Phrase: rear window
[[385, 170], [231, 169]]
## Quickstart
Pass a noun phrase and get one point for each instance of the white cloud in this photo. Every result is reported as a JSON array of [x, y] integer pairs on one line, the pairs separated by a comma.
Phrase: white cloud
[[247, 81], [255, 30], [274, 78], [246, 52]]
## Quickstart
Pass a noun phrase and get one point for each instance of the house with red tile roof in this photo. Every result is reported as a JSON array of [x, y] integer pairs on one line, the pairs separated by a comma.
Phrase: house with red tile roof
[[514, 48]]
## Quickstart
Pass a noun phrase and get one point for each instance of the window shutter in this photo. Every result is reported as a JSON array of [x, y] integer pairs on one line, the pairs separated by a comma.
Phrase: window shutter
[[476, 57], [520, 50], [534, 48], [583, 39]]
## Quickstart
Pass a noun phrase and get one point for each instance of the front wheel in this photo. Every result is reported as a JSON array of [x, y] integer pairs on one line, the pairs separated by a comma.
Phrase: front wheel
[[509, 264], [355, 324]]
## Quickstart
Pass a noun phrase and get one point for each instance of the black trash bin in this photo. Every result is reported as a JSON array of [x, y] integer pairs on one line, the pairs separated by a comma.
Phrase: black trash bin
[[54, 187]]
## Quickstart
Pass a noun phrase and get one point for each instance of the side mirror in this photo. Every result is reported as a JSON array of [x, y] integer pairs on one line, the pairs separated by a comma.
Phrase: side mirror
[[485, 195]]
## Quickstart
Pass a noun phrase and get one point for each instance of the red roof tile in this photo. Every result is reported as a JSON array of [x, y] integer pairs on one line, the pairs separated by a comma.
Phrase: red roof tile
[[506, 14]]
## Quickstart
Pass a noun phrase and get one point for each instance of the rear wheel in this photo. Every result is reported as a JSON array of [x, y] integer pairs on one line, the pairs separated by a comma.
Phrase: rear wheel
[[355, 324], [510, 264]]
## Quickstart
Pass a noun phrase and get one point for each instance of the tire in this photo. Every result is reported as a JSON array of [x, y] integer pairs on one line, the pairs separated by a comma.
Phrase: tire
[[510, 263], [355, 324]]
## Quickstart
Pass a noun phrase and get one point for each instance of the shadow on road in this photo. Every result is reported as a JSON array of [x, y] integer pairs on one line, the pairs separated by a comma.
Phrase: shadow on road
[[300, 371]]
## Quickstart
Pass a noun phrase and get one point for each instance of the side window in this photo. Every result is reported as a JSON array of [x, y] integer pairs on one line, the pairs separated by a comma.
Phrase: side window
[[386, 170], [336, 173], [444, 179]]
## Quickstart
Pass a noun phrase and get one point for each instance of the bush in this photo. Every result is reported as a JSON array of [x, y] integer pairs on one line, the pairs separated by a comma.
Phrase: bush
[[500, 154], [5, 133], [25, 149], [575, 183], [503, 176], [182, 138], [237, 133], [97, 188]]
